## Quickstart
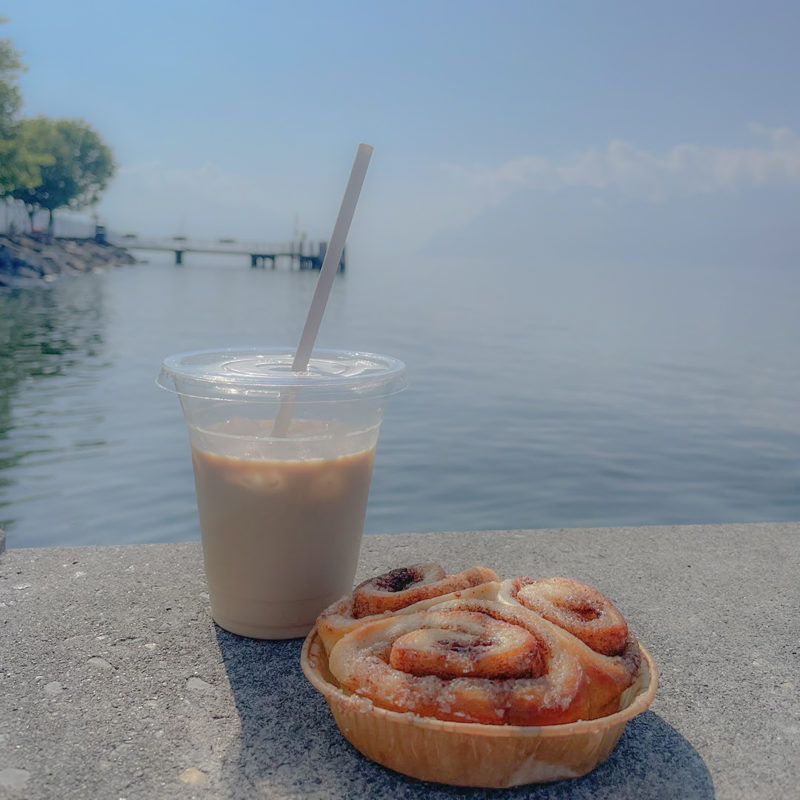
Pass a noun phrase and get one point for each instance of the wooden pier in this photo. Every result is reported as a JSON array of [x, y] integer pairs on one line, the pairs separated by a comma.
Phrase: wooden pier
[[298, 255]]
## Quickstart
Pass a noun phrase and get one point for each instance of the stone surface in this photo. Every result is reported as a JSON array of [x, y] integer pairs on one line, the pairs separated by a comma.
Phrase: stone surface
[[116, 683], [25, 259]]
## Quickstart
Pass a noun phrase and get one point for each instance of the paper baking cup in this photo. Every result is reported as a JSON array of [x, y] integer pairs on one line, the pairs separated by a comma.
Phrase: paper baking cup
[[472, 754]]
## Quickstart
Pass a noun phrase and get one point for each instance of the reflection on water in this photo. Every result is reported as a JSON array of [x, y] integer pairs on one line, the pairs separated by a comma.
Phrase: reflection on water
[[48, 330], [537, 397], [51, 343]]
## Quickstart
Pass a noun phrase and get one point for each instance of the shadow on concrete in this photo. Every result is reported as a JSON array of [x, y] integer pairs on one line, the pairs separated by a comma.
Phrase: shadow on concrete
[[290, 746]]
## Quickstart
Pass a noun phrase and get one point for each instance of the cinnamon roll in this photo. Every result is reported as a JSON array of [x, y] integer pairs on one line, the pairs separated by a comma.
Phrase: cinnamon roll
[[479, 661], [493, 685]]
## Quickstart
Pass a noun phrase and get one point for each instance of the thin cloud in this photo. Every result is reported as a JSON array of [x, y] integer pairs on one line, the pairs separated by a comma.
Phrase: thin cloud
[[684, 169]]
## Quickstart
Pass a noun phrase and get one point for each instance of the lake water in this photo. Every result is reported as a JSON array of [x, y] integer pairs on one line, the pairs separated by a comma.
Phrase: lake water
[[539, 395]]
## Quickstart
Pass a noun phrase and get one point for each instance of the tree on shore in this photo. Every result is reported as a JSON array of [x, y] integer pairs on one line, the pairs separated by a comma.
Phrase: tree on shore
[[46, 164], [10, 97], [19, 159], [81, 166]]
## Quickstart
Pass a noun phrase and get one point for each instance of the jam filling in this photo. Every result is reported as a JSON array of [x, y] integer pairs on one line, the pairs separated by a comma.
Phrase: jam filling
[[397, 580]]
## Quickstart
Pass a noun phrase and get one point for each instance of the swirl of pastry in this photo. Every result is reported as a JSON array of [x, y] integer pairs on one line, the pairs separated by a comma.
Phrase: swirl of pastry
[[402, 590], [470, 661], [401, 587], [574, 606], [610, 655]]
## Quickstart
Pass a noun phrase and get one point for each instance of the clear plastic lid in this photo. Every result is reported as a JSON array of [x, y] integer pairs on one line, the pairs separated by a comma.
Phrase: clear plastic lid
[[262, 373]]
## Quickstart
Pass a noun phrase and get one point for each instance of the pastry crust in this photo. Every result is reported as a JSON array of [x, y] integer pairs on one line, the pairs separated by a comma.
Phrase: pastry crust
[[400, 588], [573, 606], [343, 616]]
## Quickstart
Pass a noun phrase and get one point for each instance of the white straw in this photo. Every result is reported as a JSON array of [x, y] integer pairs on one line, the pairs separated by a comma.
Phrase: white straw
[[330, 265]]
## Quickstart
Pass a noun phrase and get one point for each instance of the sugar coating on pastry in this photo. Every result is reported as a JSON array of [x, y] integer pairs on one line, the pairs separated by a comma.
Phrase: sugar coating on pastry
[[404, 586], [406, 594], [573, 606], [478, 647]]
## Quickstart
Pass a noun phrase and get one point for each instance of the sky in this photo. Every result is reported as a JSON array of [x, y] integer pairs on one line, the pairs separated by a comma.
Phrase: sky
[[619, 131]]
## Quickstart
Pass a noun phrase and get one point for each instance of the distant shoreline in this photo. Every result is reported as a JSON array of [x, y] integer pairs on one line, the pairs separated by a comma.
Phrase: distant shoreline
[[26, 260]]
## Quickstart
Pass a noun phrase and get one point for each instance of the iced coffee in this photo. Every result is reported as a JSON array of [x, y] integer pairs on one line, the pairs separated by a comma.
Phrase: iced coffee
[[281, 513], [280, 538]]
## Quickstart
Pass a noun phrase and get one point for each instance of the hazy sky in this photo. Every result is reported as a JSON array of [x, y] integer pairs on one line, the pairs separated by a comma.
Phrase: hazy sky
[[615, 130]]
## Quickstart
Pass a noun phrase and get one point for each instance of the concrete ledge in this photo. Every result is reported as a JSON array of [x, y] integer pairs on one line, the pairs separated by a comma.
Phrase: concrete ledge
[[115, 682]]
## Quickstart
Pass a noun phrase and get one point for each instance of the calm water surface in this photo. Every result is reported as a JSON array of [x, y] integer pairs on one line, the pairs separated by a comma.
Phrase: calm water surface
[[539, 396]]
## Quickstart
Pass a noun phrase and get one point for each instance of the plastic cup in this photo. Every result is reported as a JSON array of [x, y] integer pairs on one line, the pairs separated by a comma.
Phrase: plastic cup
[[281, 516]]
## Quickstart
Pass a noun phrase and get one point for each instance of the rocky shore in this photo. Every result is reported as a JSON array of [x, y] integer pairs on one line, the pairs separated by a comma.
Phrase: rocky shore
[[28, 259]]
